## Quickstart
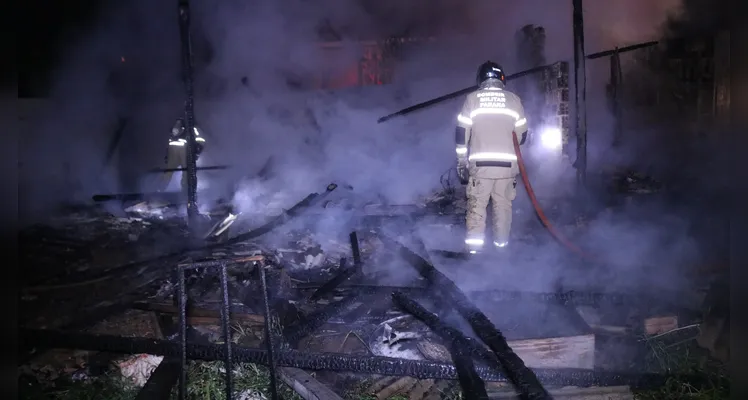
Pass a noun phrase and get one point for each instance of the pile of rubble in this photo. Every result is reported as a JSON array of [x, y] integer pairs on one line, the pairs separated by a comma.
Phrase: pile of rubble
[[313, 303]]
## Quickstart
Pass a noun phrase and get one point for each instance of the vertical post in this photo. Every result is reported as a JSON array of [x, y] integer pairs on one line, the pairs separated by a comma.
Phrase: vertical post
[[580, 92], [616, 78], [269, 339], [184, 33], [181, 293], [225, 326]]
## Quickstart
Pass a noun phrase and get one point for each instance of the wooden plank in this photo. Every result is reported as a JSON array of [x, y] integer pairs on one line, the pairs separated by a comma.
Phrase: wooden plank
[[561, 352], [305, 385], [200, 316], [574, 393], [660, 325]]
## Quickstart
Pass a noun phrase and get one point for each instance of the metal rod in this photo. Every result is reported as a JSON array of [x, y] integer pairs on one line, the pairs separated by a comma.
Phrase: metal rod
[[580, 92], [189, 109], [225, 318], [336, 362], [181, 294], [472, 385], [269, 339]]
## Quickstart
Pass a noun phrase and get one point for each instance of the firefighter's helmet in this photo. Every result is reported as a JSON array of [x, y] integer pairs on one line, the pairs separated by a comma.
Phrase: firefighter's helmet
[[490, 70]]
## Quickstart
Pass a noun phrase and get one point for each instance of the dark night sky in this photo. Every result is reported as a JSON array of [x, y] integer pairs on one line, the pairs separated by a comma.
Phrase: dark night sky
[[47, 24]]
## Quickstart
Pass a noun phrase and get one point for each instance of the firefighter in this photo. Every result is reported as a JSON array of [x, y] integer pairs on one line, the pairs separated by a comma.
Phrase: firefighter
[[177, 152], [486, 161]]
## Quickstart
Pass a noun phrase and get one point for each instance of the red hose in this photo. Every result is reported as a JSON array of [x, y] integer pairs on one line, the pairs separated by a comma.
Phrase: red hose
[[539, 211]]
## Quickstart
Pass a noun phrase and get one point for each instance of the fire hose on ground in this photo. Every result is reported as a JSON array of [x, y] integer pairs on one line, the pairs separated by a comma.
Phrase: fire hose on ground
[[539, 210]]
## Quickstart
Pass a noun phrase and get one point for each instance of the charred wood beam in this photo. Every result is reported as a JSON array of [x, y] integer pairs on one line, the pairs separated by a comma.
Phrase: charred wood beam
[[345, 273], [138, 267], [171, 197], [571, 297], [472, 385], [226, 328], [181, 299], [272, 337], [161, 381], [211, 168], [189, 109], [519, 375], [309, 201], [334, 282], [333, 361], [163, 378]]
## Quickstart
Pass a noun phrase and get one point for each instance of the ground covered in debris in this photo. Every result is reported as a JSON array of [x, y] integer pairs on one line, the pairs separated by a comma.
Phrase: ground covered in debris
[[83, 273]]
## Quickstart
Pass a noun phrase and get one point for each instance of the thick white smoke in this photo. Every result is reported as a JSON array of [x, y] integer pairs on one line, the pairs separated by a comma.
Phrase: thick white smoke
[[250, 59]]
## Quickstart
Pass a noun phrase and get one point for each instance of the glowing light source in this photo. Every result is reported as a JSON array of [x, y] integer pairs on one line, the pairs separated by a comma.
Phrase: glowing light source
[[550, 138]]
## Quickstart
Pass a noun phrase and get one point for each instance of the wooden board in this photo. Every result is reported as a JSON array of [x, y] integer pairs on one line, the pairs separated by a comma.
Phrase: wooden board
[[200, 316], [561, 352], [305, 385], [544, 335], [571, 393]]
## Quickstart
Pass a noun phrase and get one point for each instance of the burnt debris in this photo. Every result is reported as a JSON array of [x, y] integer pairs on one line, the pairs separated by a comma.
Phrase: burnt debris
[[242, 279]]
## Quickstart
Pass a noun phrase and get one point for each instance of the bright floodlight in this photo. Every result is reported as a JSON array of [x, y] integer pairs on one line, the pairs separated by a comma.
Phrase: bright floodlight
[[551, 138]]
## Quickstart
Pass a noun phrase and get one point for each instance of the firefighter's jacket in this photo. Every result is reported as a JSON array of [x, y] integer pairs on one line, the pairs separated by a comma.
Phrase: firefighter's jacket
[[484, 131], [179, 136]]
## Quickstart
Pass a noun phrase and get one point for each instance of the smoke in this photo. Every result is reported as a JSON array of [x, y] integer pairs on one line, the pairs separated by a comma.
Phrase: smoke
[[256, 66]]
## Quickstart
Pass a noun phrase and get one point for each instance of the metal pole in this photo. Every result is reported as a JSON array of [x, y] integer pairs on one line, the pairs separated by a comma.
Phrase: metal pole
[[580, 92], [184, 31]]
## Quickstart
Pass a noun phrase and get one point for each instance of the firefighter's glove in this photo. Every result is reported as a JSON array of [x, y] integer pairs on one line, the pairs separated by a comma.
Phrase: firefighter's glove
[[462, 173]]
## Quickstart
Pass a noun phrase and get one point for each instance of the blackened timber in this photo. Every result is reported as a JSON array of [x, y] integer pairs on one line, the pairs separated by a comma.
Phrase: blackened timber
[[453, 95], [472, 385], [345, 273], [334, 282], [570, 297], [270, 337], [170, 197], [211, 168], [181, 300], [139, 267], [189, 111], [353, 237], [518, 373], [225, 318], [580, 92], [311, 200], [334, 361], [162, 380]]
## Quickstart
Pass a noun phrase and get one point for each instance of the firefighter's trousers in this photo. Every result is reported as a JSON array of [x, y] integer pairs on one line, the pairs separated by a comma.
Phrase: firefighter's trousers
[[479, 191], [176, 158]]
